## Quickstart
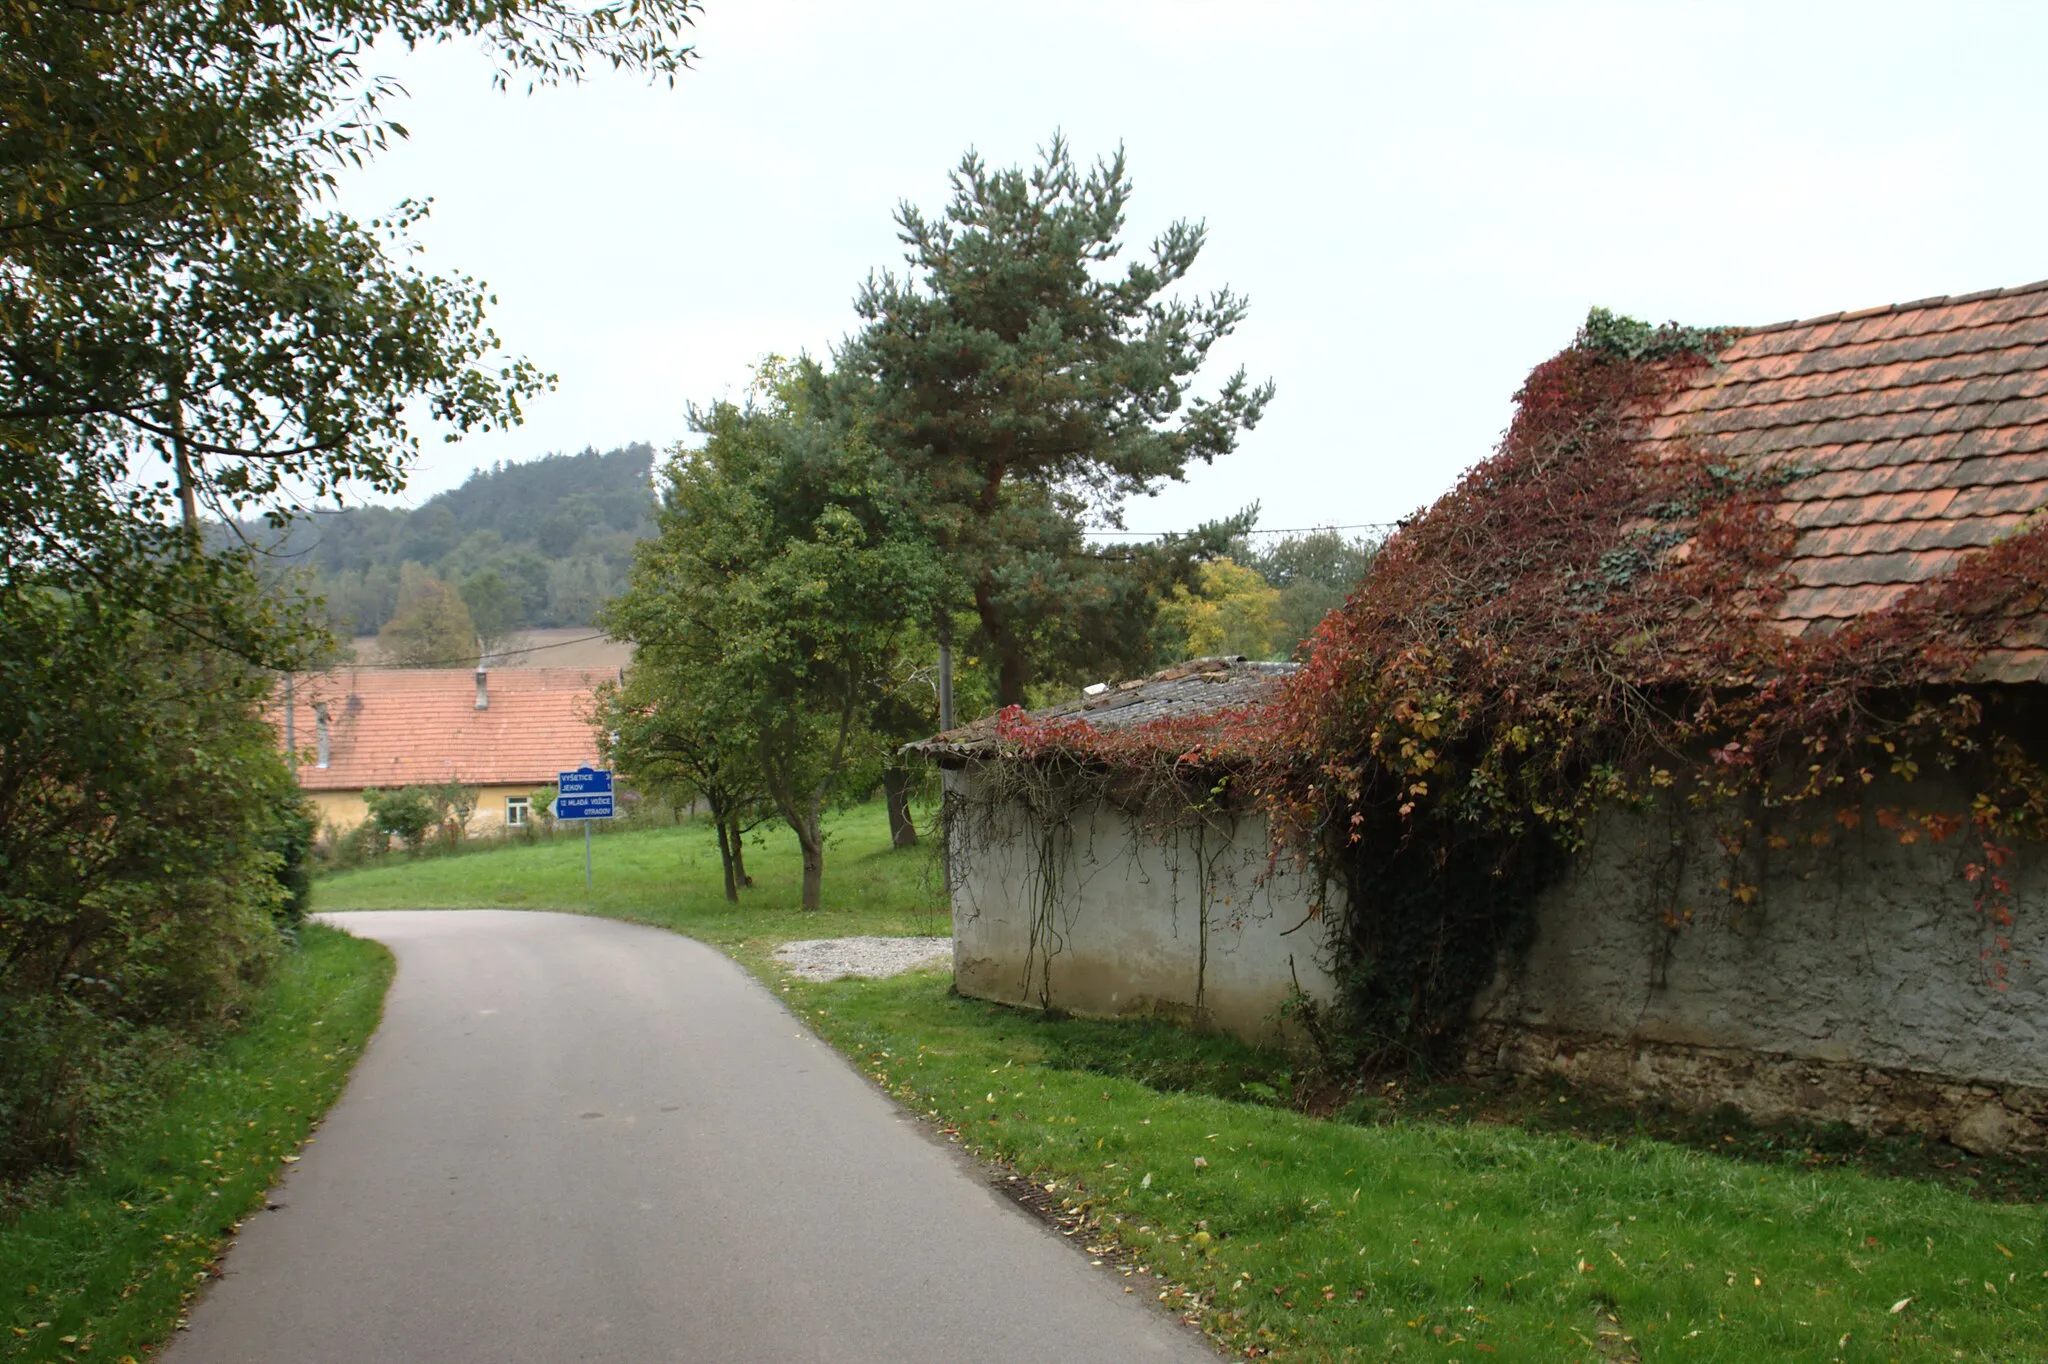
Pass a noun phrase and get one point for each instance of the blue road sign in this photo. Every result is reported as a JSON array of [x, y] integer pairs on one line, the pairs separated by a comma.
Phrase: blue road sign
[[584, 807], [585, 793], [585, 781]]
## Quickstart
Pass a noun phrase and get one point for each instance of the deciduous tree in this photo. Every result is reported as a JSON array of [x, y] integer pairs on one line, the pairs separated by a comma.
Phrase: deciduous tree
[[1230, 610], [788, 579], [431, 628], [664, 731], [494, 609], [1314, 571], [187, 328], [176, 294]]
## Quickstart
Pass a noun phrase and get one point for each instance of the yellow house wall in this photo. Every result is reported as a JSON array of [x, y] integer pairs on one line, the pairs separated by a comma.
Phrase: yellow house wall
[[342, 811]]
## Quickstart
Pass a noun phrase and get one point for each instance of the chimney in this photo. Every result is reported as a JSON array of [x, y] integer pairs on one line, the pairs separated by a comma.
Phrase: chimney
[[323, 741], [483, 690]]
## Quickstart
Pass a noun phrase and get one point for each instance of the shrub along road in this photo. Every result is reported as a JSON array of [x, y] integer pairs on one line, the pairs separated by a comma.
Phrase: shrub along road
[[580, 1139]]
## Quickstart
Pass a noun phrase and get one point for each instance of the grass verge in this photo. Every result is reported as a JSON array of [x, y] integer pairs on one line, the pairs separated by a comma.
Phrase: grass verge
[[100, 1264], [1315, 1239]]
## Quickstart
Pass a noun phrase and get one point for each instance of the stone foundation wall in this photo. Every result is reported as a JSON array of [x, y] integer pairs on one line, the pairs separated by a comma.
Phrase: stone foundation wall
[[1986, 1118]]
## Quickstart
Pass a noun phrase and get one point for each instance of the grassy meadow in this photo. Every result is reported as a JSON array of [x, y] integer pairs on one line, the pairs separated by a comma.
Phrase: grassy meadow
[[1390, 1232], [669, 877]]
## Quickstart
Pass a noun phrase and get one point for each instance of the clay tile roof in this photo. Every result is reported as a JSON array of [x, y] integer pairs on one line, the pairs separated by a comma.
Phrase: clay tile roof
[[1197, 688], [420, 726], [1914, 436]]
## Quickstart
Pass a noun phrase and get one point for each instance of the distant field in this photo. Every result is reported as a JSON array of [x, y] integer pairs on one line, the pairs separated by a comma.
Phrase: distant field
[[569, 647]]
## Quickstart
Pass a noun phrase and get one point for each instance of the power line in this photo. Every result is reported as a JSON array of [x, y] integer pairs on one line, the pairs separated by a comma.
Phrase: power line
[[465, 662], [1263, 530]]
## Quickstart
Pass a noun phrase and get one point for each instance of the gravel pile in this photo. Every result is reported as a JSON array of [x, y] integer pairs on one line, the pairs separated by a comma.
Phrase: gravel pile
[[831, 958]]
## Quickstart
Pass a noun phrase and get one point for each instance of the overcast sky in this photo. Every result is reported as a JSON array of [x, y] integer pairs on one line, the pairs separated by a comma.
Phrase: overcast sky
[[1420, 200]]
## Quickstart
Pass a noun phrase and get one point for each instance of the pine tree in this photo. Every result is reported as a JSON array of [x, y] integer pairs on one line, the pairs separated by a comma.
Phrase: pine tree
[[1025, 388]]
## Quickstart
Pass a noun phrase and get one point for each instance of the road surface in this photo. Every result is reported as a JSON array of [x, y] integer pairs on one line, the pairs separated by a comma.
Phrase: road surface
[[574, 1139]]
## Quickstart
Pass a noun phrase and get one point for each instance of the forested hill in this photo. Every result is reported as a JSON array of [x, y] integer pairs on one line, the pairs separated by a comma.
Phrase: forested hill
[[557, 531]]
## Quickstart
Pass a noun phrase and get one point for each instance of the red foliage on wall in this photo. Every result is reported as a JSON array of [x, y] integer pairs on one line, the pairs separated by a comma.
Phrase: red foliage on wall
[[1584, 620]]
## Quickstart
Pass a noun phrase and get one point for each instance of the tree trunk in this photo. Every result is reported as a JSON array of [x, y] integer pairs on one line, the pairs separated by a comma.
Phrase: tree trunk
[[1011, 670], [810, 836], [896, 792], [727, 855], [181, 462], [1010, 675], [739, 857]]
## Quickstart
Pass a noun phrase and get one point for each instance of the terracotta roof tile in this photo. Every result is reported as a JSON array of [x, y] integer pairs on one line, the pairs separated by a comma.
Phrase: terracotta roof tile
[[2016, 665], [2030, 632], [2014, 440], [1882, 538], [1841, 602], [1897, 478], [1907, 566], [1987, 499], [413, 727], [2026, 467], [1911, 437], [1872, 507]]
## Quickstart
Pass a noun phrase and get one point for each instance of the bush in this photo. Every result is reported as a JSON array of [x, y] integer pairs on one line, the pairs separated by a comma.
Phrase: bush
[[336, 850], [292, 841], [423, 817], [408, 815], [152, 841]]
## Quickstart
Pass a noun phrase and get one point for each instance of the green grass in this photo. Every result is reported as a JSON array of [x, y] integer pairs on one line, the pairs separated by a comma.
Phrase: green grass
[[1433, 1227], [99, 1265], [670, 878], [1441, 1240]]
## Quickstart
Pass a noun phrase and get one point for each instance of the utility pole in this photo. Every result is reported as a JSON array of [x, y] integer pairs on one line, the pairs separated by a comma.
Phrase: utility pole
[[945, 686], [291, 732]]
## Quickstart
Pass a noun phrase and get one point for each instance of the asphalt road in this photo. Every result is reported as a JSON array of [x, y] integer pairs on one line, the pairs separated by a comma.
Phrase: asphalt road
[[574, 1139]]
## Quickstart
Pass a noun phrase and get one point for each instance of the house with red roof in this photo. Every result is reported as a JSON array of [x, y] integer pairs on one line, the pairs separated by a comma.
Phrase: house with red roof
[[508, 733]]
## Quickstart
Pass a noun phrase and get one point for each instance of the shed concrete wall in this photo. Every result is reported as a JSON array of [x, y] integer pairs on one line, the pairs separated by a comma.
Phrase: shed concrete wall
[[1860, 986], [1104, 916]]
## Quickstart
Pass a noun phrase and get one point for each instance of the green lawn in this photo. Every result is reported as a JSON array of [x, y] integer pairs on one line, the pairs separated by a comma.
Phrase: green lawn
[[670, 878], [1444, 1241], [100, 1265], [1402, 1236]]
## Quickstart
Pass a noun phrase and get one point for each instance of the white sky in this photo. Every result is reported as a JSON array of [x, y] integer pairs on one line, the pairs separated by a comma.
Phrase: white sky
[[1420, 200]]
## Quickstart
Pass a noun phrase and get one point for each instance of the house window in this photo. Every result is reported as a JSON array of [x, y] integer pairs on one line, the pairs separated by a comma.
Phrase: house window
[[515, 810]]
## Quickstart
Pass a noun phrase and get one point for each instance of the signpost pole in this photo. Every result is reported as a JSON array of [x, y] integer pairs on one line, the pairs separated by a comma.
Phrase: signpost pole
[[584, 794]]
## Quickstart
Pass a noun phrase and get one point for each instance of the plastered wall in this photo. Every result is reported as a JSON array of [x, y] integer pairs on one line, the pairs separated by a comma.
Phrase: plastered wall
[[1175, 922], [1860, 985], [341, 811]]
